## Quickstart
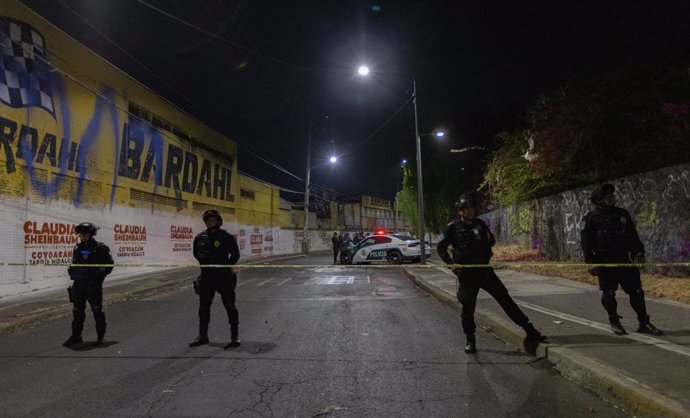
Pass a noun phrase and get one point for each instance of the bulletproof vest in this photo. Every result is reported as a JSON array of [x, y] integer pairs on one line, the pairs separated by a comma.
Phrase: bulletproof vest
[[472, 243], [213, 249], [613, 235], [88, 253]]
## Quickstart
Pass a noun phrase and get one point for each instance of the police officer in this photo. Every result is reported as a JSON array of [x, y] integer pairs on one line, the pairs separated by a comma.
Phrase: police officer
[[335, 240], [215, 246], [472, 240], [88, 282], [608, 236]]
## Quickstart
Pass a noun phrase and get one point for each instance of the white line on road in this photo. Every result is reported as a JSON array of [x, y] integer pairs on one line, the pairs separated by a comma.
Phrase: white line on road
[[264, 282], [665, 345], [639, 337], [283, 282], [246, 282]]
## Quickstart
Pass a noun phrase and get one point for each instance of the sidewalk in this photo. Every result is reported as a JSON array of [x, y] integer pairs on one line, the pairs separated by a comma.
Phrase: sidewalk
[[26, 309], [646, 375]]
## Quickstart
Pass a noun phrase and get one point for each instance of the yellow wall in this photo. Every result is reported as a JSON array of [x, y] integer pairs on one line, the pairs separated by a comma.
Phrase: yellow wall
[[90, 151], [258, 203]]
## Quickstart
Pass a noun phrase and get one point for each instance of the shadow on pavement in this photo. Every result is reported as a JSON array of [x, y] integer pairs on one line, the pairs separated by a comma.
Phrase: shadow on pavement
[[251, 347], [92, 345], [677, 333]]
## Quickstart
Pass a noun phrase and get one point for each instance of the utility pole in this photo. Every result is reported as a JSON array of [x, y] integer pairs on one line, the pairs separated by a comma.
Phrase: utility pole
[[420, 192], [305, 239]]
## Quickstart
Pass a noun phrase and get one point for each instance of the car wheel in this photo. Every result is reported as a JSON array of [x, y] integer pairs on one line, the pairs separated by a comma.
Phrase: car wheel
[[346, 257], [394, 257]]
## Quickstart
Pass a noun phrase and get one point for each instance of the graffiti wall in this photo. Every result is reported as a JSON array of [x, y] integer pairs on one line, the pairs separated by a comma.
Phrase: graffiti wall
[[659, 202]]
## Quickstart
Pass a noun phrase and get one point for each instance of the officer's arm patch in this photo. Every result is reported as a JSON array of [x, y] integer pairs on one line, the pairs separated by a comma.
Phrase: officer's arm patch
[[583, 224]]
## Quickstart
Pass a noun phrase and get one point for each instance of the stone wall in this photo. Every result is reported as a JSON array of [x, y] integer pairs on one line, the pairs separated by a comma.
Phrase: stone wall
[[659, 202]]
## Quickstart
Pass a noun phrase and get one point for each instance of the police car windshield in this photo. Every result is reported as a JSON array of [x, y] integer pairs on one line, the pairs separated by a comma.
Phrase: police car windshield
[[405, 237]]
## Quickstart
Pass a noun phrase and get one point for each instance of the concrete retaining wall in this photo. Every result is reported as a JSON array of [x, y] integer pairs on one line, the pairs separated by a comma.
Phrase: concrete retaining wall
[[659, 202]]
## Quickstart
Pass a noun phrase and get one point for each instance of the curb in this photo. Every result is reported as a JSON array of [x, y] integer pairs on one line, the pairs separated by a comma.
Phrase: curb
[[608, 382]]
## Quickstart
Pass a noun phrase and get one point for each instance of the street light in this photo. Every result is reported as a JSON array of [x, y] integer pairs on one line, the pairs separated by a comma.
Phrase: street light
[[364, 71]]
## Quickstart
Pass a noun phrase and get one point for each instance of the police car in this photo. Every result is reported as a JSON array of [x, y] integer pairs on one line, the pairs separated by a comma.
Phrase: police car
[[393, 248]]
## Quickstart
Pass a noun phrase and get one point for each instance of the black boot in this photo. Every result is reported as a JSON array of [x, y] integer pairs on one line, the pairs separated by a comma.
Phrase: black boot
[[200, 340], [532, 334], [471, 346], [100, 339], [234, 337], [72, 340], [648, 328], [616, 326]]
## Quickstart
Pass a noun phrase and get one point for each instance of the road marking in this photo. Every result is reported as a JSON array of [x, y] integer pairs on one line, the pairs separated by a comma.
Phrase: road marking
[[638, 337], [264, 282], [247, 282], [283, 282], [334, 280]]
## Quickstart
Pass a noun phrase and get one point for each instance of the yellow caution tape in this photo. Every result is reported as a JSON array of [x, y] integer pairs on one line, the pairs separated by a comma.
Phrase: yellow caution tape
[[347, 266]]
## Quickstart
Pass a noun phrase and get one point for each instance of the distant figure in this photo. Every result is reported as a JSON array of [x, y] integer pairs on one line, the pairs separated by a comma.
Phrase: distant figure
[[347, 240], [472, 241], [88, 282], [215, 246], [336, 247], [608, 236]]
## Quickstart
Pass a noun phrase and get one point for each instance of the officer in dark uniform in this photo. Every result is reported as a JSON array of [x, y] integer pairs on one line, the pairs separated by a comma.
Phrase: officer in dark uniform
[[335, 240], [472, 240], [608, 236], [88, 282], [215, 246]]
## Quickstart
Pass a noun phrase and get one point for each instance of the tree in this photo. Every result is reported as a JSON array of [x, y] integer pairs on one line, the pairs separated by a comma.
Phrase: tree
[[593, 129]]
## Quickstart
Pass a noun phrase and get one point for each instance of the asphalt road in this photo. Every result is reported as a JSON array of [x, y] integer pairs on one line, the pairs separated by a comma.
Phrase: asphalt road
[[340, 342]]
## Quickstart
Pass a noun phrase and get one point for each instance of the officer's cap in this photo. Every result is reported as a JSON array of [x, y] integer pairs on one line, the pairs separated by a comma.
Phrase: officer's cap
[[86, 228], [599, 193], [464, 202], [213, 214]]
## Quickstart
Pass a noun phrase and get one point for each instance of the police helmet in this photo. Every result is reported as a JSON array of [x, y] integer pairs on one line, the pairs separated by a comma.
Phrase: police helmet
[[605, 190], [213, 214], [464, 202], [86, 228]]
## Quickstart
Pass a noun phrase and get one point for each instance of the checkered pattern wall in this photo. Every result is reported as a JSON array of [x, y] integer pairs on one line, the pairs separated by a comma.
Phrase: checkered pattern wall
[[24, 67]]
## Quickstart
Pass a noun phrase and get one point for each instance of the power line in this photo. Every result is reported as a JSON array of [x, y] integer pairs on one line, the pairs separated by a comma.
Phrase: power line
[[220, 38], [124, 51], [147, 69]]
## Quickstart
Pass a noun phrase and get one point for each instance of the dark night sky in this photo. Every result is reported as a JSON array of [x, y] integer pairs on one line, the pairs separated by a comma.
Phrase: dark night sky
[[280, 64]]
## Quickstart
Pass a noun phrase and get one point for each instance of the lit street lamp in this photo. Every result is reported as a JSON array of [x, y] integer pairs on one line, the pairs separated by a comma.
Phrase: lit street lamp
[[364, 71]]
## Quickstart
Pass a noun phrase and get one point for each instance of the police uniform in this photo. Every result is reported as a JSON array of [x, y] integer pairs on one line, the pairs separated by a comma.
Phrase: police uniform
[[472, 241], [608, 236], [216, 247], [336, 246], [88, 283]]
